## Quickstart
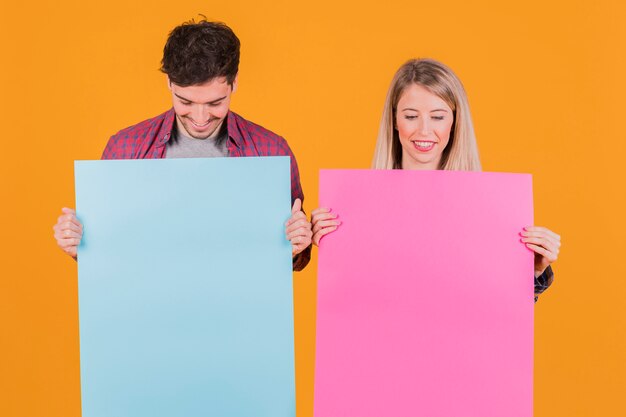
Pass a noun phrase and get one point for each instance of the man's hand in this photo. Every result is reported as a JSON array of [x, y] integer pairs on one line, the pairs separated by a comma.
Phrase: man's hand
[[298, 229], [68, 231]]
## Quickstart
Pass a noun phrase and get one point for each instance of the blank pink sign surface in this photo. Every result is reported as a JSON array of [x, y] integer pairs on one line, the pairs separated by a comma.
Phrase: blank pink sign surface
[[425, 295]]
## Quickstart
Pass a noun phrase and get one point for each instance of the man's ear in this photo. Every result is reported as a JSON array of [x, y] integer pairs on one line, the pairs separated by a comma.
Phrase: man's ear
[[169, 83]]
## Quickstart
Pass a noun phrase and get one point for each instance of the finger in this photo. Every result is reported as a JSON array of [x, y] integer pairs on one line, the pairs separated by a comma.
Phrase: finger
[[317, 237], [543, 235], [535, 232], [299, 232], [325, 223], [541, 251], [297, 249], [71, 251], [555, 243], [321, 210], [299, 244], [302, 223], [65, 218], [549, 232], [295, 217], [545, 243], [543, 229], [69, 225], [297, 206], [68, 243], [68, 210], [300, 240], [323, 216], [67, 234], [293, 236]]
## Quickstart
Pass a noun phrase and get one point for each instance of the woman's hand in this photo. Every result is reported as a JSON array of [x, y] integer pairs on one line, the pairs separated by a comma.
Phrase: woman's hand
[[545, 243], [324, 222]]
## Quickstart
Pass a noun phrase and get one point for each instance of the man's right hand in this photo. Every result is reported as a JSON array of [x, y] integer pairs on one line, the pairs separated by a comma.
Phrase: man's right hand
[[68, 231]]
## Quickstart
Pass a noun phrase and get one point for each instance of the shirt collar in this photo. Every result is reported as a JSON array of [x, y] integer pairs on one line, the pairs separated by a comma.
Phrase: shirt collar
[[168, 126], [233, 129]]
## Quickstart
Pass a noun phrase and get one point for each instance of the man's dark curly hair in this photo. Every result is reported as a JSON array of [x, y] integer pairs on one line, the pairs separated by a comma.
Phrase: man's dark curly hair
[[197, 52]]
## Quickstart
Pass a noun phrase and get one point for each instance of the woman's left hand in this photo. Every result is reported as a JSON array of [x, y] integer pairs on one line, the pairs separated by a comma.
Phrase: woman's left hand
[[545, 243]]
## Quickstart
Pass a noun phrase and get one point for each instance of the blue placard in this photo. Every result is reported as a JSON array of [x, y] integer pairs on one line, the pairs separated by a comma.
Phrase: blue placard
[[185, 288]]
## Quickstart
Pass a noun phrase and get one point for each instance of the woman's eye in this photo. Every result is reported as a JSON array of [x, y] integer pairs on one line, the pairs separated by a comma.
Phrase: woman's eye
[[438, 117], [410, 117]]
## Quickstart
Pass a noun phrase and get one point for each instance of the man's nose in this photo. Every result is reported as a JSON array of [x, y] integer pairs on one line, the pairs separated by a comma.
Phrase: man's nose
[[199, 113]]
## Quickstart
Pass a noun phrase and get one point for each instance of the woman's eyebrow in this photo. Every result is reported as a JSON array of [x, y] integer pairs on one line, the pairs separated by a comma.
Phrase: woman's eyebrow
[[412, 109]]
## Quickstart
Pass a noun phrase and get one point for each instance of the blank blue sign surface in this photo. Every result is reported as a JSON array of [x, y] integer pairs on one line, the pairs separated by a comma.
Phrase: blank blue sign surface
[[185, 288]]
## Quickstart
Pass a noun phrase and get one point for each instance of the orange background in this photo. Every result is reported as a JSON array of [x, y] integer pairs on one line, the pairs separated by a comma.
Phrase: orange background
[[546, 86]]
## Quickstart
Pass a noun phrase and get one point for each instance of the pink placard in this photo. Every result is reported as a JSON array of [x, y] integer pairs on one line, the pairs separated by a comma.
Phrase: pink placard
[[425, 295]]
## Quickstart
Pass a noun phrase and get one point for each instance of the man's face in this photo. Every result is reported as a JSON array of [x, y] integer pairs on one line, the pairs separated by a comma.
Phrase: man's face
[[201, 108]]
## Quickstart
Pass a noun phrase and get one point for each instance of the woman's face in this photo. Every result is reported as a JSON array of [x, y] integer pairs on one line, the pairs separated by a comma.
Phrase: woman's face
[[423, 121]]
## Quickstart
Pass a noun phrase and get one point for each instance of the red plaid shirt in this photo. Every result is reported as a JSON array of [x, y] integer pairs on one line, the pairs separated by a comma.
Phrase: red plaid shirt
[[148, 140]]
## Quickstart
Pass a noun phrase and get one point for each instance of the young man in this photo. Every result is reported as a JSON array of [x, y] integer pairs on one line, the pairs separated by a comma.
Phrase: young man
[[201, 61]]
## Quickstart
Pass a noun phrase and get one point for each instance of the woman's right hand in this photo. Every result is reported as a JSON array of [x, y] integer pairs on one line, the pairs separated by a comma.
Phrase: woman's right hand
[[324, 222], [68, 231]]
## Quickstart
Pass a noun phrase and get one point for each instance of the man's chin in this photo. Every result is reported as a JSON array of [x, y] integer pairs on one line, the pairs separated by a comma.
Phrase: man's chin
[[199, 134], [196, 135], [211, 130]]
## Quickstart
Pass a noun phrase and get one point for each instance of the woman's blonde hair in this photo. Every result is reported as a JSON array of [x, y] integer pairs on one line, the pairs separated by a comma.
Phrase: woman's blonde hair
[[461, 154]]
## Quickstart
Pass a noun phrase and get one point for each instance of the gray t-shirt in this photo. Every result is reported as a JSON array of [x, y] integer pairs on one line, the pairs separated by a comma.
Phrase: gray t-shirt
[[182, 146]]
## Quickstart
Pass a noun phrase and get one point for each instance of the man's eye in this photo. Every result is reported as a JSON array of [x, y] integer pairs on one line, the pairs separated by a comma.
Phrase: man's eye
[[186, 103], [215, 104]]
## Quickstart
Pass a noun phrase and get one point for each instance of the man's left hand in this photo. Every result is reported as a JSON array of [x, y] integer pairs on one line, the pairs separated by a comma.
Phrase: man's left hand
[[298, 229]]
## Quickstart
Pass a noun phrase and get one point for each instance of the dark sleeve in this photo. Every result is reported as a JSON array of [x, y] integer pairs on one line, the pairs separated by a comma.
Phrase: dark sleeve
[[302, 259], [543, 281]]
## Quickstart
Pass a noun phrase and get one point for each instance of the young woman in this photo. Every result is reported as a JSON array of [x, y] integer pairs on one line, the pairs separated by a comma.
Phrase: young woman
[[426, 124]]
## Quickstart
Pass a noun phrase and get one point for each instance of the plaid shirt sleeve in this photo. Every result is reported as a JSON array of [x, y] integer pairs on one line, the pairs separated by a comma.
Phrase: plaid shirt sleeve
[[250, 139], [302, 259], [145, 140], [543, 281]]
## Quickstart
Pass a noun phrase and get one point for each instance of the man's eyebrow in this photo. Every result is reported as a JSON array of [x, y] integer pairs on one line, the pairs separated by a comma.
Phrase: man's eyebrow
[[210, 102]]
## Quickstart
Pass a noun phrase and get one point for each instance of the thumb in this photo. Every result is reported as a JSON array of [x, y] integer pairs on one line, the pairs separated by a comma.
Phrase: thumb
[[297, 206]]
